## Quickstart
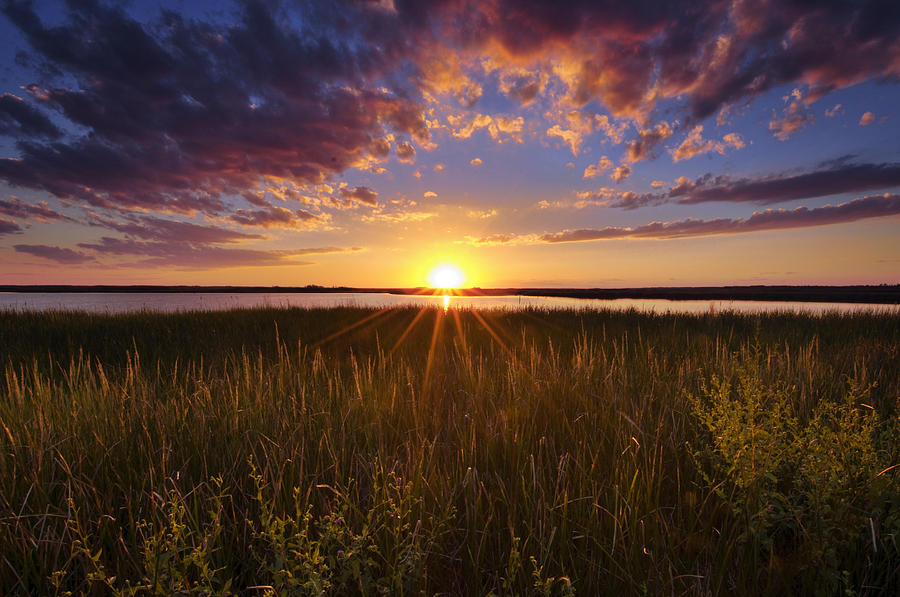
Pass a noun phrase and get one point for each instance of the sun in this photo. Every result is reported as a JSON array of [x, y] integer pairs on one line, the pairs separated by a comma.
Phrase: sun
[[446, 276]]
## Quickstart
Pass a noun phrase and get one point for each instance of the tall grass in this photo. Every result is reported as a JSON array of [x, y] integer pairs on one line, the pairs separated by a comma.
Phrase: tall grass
[[351, 451]]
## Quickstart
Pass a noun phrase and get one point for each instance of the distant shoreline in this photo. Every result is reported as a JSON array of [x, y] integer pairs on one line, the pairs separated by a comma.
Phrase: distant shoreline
[[883, 294]]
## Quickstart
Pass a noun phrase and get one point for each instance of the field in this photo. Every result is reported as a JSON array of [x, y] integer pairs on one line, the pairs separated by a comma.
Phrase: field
[[351, 451]]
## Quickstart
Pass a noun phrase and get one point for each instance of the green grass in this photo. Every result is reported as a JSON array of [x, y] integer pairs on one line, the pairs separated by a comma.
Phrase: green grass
[[349, 451]]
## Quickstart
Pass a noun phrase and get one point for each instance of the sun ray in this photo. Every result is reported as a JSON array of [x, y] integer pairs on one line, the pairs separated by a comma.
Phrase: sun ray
[[408, 329], [493, 334], [352, 326], [438, 319]]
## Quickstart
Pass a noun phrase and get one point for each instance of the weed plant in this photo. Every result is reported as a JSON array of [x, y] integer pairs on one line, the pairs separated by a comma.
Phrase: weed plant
[[351, 451]]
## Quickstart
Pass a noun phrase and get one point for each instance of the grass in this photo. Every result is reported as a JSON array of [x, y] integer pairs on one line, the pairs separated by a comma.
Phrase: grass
[[353, 451]]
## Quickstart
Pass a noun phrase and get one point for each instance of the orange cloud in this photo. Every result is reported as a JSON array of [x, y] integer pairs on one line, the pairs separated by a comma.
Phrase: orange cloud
[[594, 170], [694, 144], [621, 173]]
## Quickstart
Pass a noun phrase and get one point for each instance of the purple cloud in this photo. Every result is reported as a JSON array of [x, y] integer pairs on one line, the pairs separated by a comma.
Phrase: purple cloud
[[195, 256], [8, 227], [57, 254], [181, 112], [173, 231], [877, 206], [18, 118], [360, 195], [17, 208]]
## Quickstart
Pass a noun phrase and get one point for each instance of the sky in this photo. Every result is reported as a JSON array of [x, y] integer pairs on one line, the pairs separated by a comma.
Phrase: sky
[[531, 143]]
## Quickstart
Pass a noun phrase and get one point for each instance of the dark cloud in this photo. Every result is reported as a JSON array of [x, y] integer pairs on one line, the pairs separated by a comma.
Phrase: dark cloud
[[180, 112], [171, 116], [842, 178], [360, 195], [18, 118], [715, 52], [8, 227], [644, 146], [833, 178], [17, 208], [57, 254], [772, 219]]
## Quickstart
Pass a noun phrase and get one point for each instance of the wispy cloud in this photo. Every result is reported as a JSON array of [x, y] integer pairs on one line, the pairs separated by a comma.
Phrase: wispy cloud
[[16, 208], [194, 256], [771, 219], [57, 254], [8, 227], [839, 178]]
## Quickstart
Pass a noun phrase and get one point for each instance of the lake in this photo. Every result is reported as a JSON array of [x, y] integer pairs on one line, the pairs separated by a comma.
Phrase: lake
[[168, 302]]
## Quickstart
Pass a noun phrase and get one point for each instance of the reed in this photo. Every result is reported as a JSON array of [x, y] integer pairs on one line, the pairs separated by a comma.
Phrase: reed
[[354, 451]]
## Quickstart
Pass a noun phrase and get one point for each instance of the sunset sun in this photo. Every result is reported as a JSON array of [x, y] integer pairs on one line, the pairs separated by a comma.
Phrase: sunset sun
[[446, 276]]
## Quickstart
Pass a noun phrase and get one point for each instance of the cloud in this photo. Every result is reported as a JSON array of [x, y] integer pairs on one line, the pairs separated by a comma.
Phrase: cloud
[[694, 144], [575, 125], [442, 73], [276, 217], [361, 195], [192, 256], [621, 173], [476, 162], [502, 239], [784, 128], [429, 194], [643, 147], [796, 116], [17, 208], [198, 256], [501, 127], [832, 112], [173, 231], [658, 184], [836, 178], [439, 167], [396, 217], [8, 227], [866, 119], [841, 178], [179, 112], [772, 219], [597, 169], [710, 54], [57, 254], [406, 153], [173, 115], [522, 85], [19, 119]]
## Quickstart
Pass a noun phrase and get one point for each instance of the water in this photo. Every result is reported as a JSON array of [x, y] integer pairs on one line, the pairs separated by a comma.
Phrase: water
[[169, 302]]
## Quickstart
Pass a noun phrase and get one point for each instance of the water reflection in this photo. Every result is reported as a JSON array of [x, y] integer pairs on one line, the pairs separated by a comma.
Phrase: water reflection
[[168, 302]]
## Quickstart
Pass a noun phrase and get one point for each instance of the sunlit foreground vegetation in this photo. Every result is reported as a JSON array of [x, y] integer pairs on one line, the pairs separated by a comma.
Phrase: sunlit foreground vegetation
[[347, 451]]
